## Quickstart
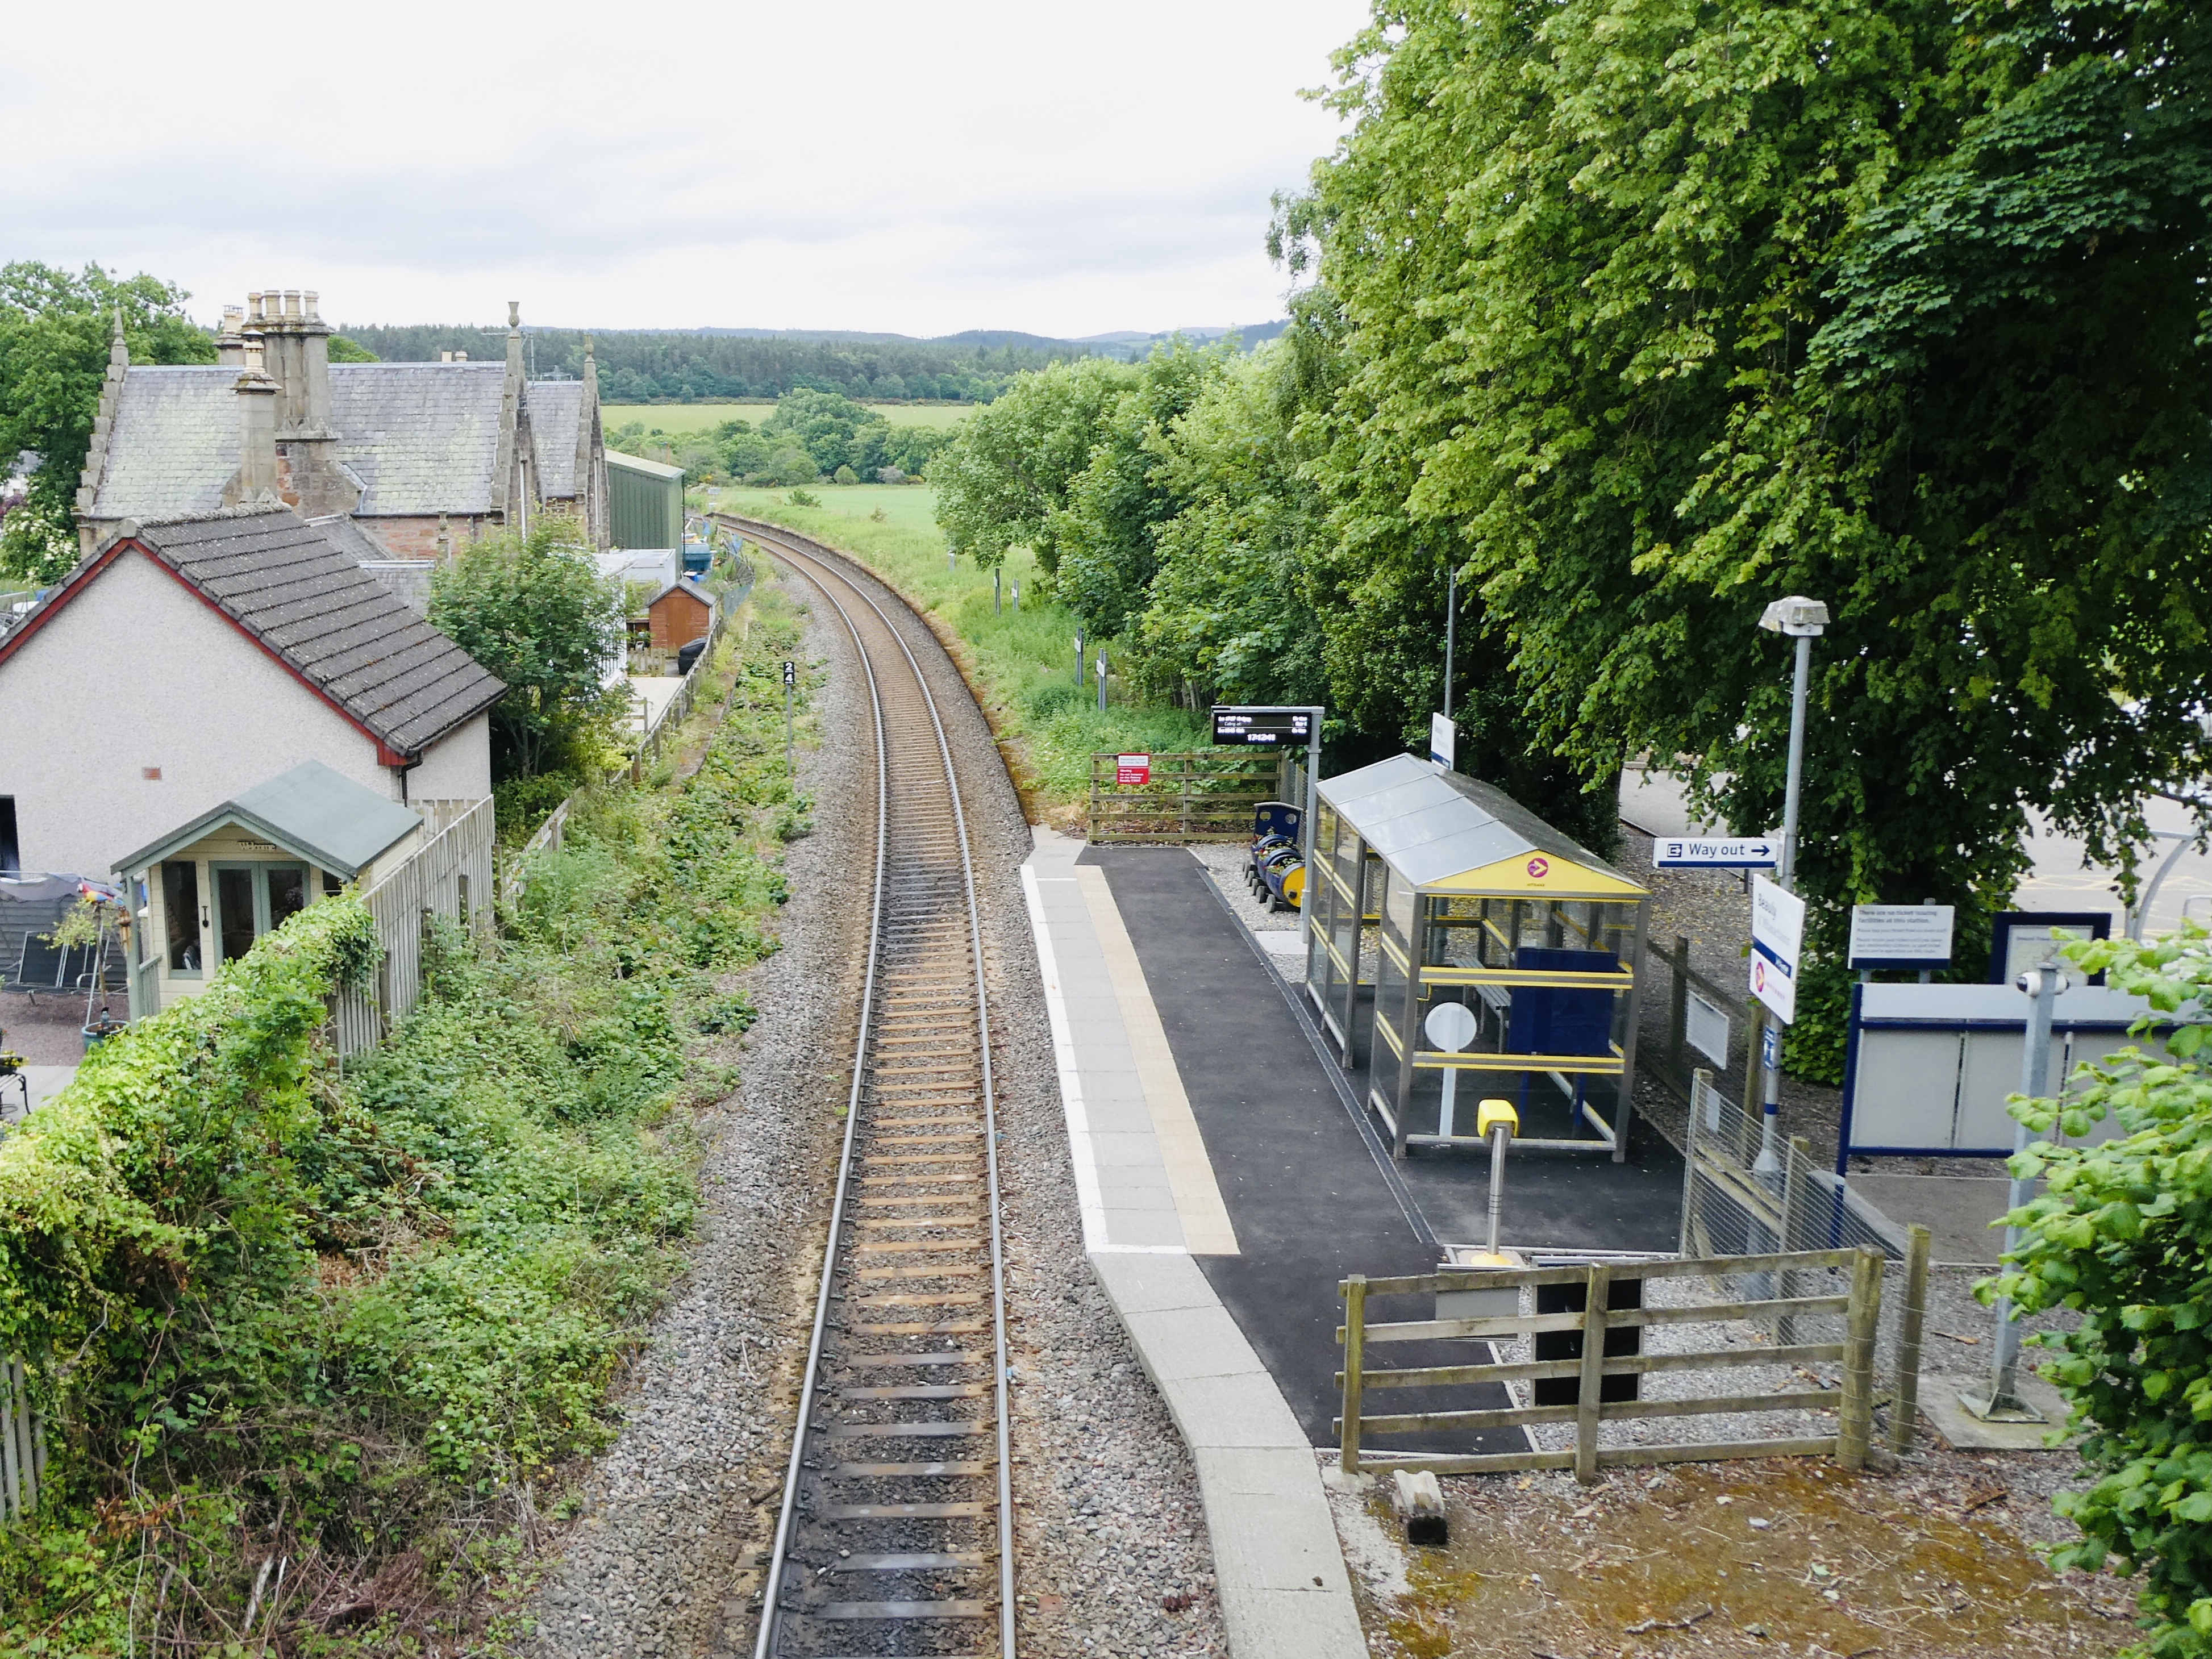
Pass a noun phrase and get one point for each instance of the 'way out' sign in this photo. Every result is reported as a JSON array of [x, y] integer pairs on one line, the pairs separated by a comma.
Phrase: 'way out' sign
[[1690, 852], [1777, 938]]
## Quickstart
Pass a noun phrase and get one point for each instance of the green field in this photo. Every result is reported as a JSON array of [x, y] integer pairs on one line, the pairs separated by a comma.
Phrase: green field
[[677, 418]]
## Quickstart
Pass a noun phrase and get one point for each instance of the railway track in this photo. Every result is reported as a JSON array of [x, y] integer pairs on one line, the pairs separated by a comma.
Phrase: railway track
[[895, 1531]]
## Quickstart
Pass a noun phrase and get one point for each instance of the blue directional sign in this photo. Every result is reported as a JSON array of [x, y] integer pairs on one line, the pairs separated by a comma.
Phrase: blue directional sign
[[1695, 853]]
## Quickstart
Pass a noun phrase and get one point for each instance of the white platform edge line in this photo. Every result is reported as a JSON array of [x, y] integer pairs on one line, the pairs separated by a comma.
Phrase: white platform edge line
[[1089, 1198]]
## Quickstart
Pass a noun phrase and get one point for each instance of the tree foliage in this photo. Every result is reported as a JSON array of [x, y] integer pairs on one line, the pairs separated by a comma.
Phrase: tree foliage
[[535, 612], [56, 327], [1648, 313], [1006, 477], [2122, 1233]]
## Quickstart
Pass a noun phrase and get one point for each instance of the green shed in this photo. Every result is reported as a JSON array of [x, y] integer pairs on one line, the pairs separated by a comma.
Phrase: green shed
[[645, 501]]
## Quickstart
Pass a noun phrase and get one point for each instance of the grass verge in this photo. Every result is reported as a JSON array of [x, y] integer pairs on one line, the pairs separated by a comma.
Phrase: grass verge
[[1020, 664]]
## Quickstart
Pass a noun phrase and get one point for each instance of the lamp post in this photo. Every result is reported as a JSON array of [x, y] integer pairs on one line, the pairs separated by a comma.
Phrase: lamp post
[[1804, 621]]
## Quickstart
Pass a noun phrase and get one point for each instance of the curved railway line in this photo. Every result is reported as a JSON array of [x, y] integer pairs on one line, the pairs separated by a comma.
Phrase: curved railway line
[[895, 1531]]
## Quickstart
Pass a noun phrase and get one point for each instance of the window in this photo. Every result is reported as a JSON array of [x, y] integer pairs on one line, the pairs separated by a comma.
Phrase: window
[[253, 899], [10, 863], [181, 904]]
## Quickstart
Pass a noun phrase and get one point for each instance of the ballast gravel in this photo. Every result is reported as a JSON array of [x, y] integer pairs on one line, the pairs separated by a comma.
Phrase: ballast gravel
[[1108, 1526]]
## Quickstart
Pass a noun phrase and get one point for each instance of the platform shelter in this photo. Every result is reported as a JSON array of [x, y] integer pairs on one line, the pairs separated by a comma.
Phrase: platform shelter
[[1462, 948]]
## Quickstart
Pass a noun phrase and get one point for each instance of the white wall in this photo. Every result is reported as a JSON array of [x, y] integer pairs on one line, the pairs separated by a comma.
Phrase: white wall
[[458, 767], [138, 671]]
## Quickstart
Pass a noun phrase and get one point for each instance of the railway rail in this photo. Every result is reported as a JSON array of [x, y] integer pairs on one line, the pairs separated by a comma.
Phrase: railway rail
[[895, 1531]]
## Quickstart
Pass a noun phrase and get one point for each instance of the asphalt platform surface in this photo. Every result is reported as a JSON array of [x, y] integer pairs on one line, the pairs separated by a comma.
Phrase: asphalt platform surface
[[1310, 1189]]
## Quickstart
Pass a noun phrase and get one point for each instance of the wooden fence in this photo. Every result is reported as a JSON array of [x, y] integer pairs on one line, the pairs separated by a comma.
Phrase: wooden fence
[[1852, 1402], [1196, 796], [22, 1445], [449, 875]]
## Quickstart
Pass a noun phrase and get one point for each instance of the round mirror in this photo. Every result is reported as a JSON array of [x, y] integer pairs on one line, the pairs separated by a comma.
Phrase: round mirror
[[1450, 1025]]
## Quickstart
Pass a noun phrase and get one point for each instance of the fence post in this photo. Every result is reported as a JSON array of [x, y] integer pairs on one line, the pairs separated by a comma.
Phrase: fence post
[[1700, 1080], [1855, 1415], [1355, 1345], [1905, 1397], [1678, 1004], [1600, 1293], [1094, 773]]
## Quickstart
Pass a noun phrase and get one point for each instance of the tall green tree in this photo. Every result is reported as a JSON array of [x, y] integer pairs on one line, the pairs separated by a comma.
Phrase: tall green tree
[[1106, 531], [534, 610], [1653, 313], [1005, 475], [56, 327]]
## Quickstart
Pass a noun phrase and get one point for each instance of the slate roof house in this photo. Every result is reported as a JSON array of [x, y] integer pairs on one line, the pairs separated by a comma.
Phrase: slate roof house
[[421, 456], [190, 658]]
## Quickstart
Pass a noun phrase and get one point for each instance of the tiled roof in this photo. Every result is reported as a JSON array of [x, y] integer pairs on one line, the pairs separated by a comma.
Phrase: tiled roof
[[421, 437], [173, 446], [312, 605], [556, 413]]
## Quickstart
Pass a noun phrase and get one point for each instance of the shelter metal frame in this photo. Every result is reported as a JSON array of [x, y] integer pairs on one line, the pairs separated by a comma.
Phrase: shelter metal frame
[[1428, 886]]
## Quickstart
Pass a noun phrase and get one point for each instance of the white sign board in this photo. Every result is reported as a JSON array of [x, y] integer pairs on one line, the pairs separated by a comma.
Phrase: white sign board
[[1706, 1025], [1444, 740], [1901, 936], [1777, 938], [1692, 852]]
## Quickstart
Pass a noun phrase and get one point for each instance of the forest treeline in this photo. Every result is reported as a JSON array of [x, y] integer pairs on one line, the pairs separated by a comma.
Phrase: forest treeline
[[687, 367], [1638, 318]]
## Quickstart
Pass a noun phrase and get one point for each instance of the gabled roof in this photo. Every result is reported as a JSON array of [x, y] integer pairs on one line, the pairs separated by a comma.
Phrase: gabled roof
[[682, 585], [421, 438], [557, 419], [286, 587], [1445, 831], [311, 811]]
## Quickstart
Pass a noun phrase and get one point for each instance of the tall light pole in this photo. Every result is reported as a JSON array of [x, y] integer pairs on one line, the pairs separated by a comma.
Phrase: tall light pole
[[1804, 621]]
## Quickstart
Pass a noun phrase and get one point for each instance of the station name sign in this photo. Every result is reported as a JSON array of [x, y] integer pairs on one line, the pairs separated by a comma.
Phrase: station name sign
[[1275, 726]]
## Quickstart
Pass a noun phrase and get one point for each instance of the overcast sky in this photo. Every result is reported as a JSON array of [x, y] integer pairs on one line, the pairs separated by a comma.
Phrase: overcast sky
[[1064, 169]]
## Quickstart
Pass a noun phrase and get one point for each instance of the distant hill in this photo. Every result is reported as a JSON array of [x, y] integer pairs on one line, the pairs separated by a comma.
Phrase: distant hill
[[701, 364]]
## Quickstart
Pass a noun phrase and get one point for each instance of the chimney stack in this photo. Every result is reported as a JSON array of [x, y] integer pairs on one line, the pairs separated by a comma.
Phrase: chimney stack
[[296, 354], [230, 343], [258, 398]]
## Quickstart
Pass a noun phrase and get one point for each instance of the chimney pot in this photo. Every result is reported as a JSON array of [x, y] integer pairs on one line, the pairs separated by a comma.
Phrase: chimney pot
[[308, 298], [291, 302], [254, 302]]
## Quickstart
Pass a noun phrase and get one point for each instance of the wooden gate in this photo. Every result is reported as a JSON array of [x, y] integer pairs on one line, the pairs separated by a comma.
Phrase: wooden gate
[[1852, 1401], [1198, 795]]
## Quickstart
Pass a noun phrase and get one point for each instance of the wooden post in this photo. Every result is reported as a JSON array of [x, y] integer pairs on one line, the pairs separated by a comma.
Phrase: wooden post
[[1094, 791], [1855, 1414], [1905, 1397], [1599, 1293], [1355, 1335]]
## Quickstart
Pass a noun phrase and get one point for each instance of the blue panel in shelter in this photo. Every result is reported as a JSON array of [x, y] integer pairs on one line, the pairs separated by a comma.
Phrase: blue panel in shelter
[[1558, 1022]]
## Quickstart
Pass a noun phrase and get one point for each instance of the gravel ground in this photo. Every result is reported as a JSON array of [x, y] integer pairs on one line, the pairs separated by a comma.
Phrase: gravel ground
[[1108, 1523], [654, 1564]]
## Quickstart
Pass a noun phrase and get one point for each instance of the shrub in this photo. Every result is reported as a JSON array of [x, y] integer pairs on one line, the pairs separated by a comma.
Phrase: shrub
[[2122, 1233], [845, 475], [804, 498]]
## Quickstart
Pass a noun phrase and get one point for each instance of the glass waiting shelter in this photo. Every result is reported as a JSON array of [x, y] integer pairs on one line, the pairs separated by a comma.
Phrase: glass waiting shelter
[[1462, 948]]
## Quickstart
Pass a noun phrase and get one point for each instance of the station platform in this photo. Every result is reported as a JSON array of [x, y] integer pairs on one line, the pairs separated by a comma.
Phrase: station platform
[[1229, 1180]]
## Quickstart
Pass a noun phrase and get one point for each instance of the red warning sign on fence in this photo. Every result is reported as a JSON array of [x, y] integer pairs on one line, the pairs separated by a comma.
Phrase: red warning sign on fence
[[1132, 768]]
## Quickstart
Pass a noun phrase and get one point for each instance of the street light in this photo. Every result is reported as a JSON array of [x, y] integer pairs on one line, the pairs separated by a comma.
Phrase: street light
[[1804, 621]]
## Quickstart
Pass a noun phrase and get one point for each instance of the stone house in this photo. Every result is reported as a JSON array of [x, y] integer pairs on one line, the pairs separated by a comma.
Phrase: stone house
[[420, 457], [189, 660]]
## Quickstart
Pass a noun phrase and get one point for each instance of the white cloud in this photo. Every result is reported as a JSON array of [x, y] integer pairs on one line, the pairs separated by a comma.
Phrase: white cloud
[[979, 163]]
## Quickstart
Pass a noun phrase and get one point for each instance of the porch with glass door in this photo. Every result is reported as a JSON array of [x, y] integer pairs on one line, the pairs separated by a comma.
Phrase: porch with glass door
[[253, 899]]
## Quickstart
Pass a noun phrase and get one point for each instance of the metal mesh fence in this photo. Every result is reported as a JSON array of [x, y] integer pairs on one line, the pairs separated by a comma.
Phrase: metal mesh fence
[[1732, 1206]]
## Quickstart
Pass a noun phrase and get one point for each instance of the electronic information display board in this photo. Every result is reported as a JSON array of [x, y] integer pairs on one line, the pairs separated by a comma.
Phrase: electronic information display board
[[1239, 724]]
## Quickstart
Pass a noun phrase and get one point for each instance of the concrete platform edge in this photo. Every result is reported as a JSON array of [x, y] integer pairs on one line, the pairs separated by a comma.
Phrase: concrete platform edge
[[1278, 1568]]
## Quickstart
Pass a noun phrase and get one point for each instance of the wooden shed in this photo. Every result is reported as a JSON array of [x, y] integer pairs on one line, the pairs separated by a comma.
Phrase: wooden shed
[[677, 614]]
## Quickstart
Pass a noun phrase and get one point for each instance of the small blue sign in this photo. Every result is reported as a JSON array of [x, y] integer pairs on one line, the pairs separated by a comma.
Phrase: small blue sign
[[1770, 1047]]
